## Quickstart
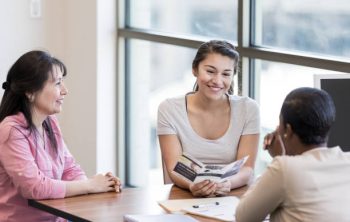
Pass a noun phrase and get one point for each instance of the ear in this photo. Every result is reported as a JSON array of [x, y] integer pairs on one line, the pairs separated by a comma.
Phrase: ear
[[30, 97], [289, 131]]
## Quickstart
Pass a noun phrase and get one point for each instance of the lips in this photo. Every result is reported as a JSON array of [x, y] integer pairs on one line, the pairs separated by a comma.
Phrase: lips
[[215, 88]]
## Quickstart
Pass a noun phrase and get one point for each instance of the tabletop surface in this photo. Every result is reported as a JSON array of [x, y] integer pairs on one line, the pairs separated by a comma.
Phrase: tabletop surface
[[113, 206]]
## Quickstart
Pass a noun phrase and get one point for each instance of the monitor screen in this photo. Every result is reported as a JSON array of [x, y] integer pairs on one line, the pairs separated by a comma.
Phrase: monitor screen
[[338, 86]]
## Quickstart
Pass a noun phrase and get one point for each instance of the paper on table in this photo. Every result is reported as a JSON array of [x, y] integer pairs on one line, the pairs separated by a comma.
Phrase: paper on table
[[158, 218], [223, 211]]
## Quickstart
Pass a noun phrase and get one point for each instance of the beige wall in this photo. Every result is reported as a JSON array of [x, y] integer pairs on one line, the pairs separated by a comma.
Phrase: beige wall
[[75, 32]]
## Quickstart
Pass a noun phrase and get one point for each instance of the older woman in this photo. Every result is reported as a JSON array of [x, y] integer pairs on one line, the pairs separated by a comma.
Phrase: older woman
[[34, 160]]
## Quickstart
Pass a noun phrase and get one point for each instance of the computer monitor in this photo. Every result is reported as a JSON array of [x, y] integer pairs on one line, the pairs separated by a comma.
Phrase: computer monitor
[[338, 86]]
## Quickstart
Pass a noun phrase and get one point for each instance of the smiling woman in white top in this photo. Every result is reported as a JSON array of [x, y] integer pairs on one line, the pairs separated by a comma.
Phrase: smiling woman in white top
[[210, 123]]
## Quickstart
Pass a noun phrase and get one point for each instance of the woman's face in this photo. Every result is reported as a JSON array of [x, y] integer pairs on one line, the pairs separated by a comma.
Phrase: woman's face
[[214, 75], [49, 100]]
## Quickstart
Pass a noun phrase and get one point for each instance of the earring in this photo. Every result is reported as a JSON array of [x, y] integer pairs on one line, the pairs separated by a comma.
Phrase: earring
[[285, 135]]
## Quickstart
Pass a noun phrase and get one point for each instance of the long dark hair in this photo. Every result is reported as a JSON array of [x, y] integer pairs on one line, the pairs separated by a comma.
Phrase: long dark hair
[[216, 46], [28, 75], [310, 113]]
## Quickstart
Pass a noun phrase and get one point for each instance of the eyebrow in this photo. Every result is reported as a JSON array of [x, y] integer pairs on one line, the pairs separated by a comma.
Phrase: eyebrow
[[216, 68]]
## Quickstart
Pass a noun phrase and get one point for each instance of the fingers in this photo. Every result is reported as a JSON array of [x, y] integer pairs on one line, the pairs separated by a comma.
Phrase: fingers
[[268, 139], [223, 188], [117, 186], [204, 188]]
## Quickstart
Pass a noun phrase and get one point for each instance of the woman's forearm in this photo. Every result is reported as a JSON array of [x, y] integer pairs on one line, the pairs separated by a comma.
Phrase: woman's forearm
[[77, 187]]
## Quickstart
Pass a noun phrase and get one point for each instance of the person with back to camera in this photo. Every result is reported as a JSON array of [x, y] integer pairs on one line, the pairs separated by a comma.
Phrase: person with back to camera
[[306, 181], [210, 123], [34, 160]]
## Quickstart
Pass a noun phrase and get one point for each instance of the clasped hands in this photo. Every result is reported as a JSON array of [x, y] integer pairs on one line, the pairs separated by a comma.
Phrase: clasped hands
[[207, 188], [104, 183]]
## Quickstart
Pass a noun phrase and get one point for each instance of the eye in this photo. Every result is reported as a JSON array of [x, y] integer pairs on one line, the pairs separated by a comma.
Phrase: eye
[[227, 74], [210, 71]]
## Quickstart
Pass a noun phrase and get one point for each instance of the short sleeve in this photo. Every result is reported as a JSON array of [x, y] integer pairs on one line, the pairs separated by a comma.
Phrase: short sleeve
[[252, 123], [165, 121]]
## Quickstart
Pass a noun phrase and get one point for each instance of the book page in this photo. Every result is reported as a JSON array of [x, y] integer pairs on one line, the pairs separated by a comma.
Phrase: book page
[[193, 170], [218, 173]]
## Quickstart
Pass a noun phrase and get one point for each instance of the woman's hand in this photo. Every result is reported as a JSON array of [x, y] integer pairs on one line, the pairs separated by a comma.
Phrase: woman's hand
[[118, 184], [274, 144], [203, 189], [223, 188], [103, 183]]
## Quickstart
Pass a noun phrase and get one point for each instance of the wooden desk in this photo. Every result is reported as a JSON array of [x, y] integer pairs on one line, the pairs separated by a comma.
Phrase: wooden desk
[[112, 206]]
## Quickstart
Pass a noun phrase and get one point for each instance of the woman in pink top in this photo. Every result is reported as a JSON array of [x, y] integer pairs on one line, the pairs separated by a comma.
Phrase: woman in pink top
[[34, 160]]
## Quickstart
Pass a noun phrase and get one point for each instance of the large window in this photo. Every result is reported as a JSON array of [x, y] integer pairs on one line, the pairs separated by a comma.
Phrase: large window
[[282, 45], [319, 27], [151, 79], [196, 17], [272, 77]]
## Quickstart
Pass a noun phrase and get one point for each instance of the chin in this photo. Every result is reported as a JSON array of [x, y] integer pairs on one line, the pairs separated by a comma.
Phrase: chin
[[216, 96]]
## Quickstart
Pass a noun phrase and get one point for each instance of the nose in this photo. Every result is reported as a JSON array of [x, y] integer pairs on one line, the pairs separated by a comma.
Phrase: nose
[[64, 90], [216, 78]]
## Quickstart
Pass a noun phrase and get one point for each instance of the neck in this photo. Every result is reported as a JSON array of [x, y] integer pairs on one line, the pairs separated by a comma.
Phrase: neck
[[208, 104], [38, 119], [305, 148]]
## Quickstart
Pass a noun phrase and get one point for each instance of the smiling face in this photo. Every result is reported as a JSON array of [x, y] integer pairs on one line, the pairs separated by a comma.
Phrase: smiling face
[[214, 75], [49, 100]]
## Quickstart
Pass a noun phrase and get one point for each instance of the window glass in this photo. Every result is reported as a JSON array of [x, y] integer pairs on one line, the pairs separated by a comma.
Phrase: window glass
[[320, 27], [161, 71], [205, 18], [273, 82]]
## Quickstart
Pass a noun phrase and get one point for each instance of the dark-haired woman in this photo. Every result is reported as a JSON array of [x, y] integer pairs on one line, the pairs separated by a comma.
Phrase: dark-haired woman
[[210, 123], [306, 181], [34, 160]]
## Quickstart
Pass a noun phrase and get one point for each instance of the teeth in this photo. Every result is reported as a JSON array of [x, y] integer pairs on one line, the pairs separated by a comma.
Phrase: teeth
[[215, 88]]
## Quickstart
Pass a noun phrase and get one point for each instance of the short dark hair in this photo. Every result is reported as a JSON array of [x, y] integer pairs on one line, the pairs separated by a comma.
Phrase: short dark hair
[[310, 112], [28, 75], [216, 46]]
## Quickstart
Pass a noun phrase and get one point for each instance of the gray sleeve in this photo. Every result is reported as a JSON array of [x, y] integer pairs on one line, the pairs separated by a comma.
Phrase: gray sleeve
[[252, 123], [165, 120], [264, 197]]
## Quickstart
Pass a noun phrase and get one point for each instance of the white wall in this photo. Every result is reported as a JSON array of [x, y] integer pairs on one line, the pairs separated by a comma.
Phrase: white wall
[[83, 38]]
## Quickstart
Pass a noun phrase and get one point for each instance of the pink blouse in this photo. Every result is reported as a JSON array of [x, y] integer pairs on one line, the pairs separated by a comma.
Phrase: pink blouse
[[30, 170]]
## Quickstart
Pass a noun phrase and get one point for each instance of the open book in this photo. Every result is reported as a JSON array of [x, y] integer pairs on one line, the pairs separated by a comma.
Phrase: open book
[[195, 171]]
